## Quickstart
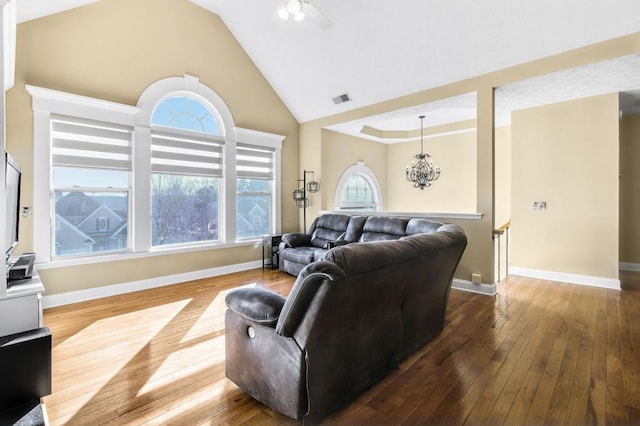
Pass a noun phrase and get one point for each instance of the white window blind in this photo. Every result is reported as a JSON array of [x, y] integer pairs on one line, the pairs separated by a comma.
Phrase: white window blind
[[80, 142], [254, 162], [186, 154]]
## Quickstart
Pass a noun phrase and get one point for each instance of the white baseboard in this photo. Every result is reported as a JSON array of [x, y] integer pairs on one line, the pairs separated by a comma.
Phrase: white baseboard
[[588, 280], [115, 289], [464, 285], [625, 266]]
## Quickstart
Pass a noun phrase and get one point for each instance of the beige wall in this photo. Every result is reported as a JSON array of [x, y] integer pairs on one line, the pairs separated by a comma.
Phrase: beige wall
[[630, 189], [478, 257], [567, 155], [113, 50], [503, 175], [453, 192], [339, 152]]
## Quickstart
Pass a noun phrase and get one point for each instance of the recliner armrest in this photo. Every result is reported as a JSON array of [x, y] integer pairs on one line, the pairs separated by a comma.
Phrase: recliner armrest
[[296, 239], [256, 304]]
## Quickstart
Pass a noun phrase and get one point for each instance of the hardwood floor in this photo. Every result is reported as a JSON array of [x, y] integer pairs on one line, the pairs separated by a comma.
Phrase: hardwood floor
[[539, 352]]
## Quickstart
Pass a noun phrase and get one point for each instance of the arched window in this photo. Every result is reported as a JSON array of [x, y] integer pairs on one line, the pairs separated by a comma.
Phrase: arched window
[[186, 113], [187, 168], [358, 189]]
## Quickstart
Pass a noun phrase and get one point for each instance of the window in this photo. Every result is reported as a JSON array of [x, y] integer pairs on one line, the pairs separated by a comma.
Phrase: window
[[183, 112], [186, 173], [358, 189], [173, 171], [91, 164], [254, 172]]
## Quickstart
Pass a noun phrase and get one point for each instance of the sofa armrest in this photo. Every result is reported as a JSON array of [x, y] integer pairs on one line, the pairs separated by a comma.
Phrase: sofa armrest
[[256, 304], [296, 239]]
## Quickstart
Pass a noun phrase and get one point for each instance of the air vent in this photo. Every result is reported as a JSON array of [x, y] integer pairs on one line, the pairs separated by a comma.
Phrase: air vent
[[342, 98]]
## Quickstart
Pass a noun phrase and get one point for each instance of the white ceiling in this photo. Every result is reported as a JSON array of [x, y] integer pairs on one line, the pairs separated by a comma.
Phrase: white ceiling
[[377, 50]]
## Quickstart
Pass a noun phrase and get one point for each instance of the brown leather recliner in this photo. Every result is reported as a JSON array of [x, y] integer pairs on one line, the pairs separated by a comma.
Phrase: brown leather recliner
[[349, 320]]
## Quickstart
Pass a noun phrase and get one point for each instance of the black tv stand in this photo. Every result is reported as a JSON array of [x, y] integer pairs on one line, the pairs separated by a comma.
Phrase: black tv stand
[[25, 367]]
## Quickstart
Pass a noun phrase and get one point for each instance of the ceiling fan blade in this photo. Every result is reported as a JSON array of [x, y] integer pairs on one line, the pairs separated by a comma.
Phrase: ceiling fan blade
[[316, 14]]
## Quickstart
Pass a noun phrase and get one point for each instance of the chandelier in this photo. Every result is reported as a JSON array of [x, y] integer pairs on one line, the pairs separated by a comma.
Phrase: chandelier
[[422, 172]]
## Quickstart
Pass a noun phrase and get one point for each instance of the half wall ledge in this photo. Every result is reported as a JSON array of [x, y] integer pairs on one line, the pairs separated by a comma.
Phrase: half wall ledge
[[426, 215]]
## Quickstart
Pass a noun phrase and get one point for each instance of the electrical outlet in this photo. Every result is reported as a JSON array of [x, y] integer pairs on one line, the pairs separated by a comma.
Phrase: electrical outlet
[[539, 205], [476, 278]]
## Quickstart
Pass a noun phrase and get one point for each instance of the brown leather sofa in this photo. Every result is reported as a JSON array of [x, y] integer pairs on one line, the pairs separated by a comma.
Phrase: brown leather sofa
[[348, 321], [298, 249]]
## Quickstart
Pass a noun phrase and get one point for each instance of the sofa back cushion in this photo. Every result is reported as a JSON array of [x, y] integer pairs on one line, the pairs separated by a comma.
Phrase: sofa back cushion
[[329, 227], [354, 229], [422, 226], [380, 228], [359, 259]]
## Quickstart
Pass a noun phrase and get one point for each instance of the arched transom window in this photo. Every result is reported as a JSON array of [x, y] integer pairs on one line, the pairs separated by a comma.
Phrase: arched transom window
[[358, 189], [186, 113]]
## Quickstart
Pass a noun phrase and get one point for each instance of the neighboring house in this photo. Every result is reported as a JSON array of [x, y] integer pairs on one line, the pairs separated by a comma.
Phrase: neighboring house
[[70, 239], [94, 225], [253, 221]]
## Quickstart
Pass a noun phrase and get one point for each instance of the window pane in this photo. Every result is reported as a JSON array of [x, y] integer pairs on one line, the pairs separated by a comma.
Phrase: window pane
[[68, 177], [90, 222], [253, 212], [182, 112], [357, 190], [184, 209]]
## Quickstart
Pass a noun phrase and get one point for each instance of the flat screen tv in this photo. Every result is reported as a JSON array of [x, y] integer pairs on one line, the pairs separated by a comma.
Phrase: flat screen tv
[[12, 196]]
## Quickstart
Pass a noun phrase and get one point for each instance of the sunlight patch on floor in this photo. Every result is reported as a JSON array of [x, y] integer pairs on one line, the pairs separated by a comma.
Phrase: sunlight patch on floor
[[99, 349], [185, 362], [196, 407], [212, 319]]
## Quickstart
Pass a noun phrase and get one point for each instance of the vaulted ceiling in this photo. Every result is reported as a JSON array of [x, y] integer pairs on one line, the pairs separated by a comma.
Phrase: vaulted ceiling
[[375, 50]]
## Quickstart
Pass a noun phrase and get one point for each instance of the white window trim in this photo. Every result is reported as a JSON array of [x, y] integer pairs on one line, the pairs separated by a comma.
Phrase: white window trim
[[47, 102], [358, 169]]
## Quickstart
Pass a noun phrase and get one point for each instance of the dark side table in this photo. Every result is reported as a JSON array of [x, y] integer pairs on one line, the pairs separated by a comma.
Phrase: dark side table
[[271, 251]]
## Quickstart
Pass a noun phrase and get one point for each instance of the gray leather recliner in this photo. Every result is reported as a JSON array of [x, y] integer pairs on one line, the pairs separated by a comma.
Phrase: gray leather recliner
[[349, 319]]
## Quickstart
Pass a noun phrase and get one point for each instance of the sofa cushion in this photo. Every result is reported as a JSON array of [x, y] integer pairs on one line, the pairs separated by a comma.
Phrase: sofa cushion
[[422, 226], [380, 228], [354, 228], [355, 259], [321, 236], [329, 227], [337, 222], [302, 255]]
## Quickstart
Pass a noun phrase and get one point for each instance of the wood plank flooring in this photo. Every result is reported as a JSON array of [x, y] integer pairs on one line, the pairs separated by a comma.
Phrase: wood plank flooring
[[539, 352]]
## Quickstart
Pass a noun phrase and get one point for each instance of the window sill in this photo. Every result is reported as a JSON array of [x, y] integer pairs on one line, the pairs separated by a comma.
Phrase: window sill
[[116, 257]]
